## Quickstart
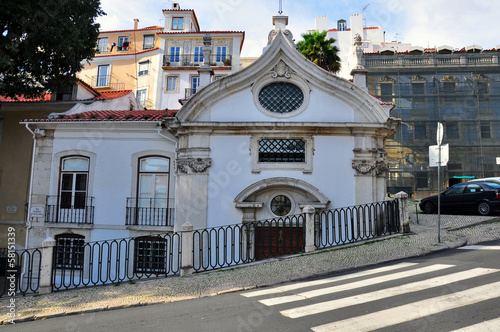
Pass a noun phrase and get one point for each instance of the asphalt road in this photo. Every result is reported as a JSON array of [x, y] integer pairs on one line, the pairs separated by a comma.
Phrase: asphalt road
[[457, 290]]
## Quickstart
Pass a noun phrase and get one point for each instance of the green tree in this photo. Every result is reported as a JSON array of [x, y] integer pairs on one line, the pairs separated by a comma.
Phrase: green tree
[[320, 50], [43, 42]]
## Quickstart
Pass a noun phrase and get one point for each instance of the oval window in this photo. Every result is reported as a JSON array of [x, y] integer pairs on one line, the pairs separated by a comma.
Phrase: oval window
[[281, 97], [281, 205]]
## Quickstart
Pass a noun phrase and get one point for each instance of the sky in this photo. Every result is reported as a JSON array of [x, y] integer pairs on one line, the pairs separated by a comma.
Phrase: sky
[[426, 23]]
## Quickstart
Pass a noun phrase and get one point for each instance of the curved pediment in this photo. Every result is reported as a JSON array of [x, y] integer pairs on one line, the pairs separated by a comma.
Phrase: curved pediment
[[281, 62]]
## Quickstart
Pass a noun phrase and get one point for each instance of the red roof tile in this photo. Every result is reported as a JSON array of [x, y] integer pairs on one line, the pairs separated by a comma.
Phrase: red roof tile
[[108, 95], [21, 98], [144, 115]]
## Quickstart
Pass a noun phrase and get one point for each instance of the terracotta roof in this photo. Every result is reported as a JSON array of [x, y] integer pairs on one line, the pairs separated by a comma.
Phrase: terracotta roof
[[21, 98], [184, 10], [154, 27], [145, 115], [108, 95]]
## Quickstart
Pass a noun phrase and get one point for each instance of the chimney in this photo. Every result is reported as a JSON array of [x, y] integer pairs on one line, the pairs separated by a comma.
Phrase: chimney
[[136, 23]]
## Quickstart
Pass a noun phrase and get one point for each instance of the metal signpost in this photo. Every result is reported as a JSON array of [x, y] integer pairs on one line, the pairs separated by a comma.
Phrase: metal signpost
[[442, 154]]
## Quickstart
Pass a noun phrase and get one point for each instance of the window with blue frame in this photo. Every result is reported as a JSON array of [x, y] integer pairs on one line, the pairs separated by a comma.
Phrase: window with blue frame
[[220, 54], [198, 54], [175, 54]]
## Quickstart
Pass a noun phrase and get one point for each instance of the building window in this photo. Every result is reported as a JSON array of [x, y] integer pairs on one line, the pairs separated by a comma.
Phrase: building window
[[175, 54], [142, 97], [281, 97], [282, 151], [418, 92], [150, 254], [154, 174], [144, 68], [452, 130], [195, 83], [198, 54], [386, 91], [74, 182], [171, 83], [123, 43], [482, 90], [421, 180], [420, 130], [177, 23], [103, 75], [220, 54], [281, 205], [69, 251], [102, 45], [148, 42], [449, 88], [485, 130]]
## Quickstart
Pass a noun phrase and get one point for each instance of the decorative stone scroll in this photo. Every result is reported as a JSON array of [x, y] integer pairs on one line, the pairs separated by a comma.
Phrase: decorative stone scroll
[[281, 70], [198, 165], [363, 166], [382, 168]]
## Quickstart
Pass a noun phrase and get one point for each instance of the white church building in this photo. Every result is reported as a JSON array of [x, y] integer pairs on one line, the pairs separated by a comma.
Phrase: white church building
[[262, 143]]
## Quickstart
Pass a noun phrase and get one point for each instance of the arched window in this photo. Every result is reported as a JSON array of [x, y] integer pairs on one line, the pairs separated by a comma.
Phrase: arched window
[[74, 182]]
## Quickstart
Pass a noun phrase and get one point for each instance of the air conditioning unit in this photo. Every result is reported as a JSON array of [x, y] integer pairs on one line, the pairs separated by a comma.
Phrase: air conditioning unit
[[176, 5]]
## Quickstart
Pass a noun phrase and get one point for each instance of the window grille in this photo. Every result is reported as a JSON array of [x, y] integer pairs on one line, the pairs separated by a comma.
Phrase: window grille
[[150, 255], [281, 205], [281, 97], [69, 251], [282, 151]]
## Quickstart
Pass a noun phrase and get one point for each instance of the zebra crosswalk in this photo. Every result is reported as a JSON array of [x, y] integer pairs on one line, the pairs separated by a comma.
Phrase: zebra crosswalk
[[449, 286]]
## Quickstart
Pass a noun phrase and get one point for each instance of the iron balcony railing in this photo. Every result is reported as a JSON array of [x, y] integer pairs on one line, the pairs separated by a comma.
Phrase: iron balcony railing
[[20, 271], [193, 60], [150, 211], [70, 209], [428, 59], [356, 223], [115, 261], [231, 245]]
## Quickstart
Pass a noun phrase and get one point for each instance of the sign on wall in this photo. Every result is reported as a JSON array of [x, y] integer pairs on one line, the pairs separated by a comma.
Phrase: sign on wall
[[434, 155]]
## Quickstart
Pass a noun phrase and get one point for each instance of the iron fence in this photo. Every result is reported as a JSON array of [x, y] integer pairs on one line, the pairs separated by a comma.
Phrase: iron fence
[[357, 223], [20, 271], [67, 209], [150, 211], [115, 261], [231, 245], [196, 59]]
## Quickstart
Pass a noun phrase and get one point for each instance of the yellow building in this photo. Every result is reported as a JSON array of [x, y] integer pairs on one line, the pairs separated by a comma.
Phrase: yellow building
[[160, 64], [126, 60]]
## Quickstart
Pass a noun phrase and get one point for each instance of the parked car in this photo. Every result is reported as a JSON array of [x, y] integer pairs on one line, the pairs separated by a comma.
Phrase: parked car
[[480, 196], [488, 179]]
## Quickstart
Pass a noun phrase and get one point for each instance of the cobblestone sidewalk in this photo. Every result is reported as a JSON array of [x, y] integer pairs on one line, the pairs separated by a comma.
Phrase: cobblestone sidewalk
[[455, 231]]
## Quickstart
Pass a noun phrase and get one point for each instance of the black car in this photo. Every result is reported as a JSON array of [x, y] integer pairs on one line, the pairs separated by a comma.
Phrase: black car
[[480, 196]]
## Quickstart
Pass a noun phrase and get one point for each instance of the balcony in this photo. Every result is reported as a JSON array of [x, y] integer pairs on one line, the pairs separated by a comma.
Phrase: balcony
[[150, 212], [77, 209], [190, 61], [106, 81]]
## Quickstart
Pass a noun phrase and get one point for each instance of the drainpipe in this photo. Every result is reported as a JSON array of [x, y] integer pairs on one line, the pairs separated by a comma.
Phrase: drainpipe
[[28, 227], [31, 187]]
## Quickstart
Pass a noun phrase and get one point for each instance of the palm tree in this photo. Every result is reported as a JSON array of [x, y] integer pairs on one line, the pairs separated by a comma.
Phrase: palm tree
[[320, 50]]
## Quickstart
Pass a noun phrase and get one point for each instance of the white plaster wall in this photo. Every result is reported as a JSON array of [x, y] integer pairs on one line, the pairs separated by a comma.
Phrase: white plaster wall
[[230, 174], [241, 107], [112, 180]]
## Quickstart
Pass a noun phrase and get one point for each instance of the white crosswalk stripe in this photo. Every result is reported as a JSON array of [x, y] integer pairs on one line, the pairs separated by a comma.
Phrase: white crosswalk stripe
[[455, 298], [488, 326], [385, 293], [282, 289], [415, 310], [480, 248], [354, 285]]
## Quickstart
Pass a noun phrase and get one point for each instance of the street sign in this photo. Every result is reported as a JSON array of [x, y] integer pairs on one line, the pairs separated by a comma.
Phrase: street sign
[[439, 133], [434, 155], [37, 211]]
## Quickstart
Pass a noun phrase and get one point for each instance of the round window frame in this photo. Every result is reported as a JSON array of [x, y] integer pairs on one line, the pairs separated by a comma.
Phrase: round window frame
[[292, 79], [289, 200], [289, 105]]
